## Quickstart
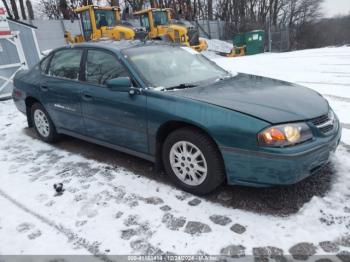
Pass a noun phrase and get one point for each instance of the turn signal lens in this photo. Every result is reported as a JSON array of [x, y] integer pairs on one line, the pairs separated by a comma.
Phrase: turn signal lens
[[273, 134], [285, 135]]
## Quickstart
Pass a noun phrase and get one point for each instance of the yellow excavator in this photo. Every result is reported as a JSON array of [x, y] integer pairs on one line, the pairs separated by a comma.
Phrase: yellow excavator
[[157, 22], [100, 22]]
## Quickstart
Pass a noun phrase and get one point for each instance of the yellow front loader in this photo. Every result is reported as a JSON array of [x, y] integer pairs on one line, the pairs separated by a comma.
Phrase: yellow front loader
[[157, 22], [100, 23]]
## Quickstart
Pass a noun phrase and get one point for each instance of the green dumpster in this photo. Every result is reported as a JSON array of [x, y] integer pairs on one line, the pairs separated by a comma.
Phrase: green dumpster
[[255, 41], [238, 40]]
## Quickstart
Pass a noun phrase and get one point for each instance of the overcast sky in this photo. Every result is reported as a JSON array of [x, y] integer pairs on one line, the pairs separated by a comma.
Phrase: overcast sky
[[335, 7]]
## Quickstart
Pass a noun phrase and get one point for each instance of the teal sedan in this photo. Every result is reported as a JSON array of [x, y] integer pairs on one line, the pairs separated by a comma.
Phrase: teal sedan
[[172, 106]]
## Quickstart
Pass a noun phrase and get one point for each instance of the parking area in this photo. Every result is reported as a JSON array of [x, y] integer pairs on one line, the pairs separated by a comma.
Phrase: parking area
[[114, 203]]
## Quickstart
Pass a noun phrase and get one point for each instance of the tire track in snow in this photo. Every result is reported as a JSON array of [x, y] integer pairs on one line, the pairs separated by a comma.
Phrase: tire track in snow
[[322, 83], [346, 126], [339, 98], [346, 146], [71, 236]]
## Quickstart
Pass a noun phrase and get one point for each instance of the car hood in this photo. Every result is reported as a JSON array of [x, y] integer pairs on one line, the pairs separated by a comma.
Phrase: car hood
[[265, 98]]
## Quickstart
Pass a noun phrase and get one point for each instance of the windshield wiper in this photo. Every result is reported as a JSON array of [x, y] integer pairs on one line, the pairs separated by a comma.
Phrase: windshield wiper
[[180, 86]]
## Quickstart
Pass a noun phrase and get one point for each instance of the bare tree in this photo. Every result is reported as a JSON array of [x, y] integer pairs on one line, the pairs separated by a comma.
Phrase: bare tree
[[114, 3], [136, 4], [30, 10], [14, 9], [50, 8], [210, 9], [63, 7], [23, 10]]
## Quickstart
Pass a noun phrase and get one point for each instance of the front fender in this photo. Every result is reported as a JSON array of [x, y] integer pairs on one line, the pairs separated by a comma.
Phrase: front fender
[[226, 127]]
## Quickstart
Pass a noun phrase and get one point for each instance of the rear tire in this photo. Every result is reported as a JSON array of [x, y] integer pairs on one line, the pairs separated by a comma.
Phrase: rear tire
[[43, 124], [193, 161]]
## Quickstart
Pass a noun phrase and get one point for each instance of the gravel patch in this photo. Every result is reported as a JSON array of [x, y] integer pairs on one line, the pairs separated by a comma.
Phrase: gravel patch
[[165, 208], [233, 251], [143, 247], [220, 220], [194, 202], [24, 227], [132, 220], [302, 251], [344, 256], [35, 234], [238, 228], [173, 223], [152, 200], [344, 241], [128, 233], [118, 214], [264, 253], [329, 247], [196, 228]]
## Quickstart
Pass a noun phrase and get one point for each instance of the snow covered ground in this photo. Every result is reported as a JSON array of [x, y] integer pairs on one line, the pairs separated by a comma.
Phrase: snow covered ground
[[110, 209]]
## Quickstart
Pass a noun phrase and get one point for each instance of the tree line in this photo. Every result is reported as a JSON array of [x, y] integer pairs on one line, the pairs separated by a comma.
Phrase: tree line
[[26, 10], [302, 18], [242, 13]]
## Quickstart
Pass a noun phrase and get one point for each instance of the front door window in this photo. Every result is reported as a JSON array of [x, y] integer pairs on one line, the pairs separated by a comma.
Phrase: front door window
[[101, 66]]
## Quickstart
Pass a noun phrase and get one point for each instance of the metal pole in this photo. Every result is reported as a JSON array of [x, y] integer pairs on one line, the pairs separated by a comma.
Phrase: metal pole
[[270, 37], [209, 31]]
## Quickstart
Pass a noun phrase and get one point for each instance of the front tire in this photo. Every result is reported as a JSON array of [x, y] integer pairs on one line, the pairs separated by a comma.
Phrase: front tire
[[43, 124], [193, 161]]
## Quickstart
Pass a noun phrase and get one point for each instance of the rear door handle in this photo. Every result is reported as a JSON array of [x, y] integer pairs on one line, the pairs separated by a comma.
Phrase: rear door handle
[[44, 88], [87, 97]]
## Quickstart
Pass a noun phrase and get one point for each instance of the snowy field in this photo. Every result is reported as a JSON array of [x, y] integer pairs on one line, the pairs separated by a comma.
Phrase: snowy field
[[119, 205]]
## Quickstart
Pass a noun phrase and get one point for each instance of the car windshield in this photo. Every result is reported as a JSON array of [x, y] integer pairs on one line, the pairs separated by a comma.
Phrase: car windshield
[[160, 18], [105, 18], [167, 66]]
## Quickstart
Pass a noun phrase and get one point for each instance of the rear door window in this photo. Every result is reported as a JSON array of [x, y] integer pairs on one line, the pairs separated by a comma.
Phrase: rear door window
[[101, 66], [66, 64], [44, 63]]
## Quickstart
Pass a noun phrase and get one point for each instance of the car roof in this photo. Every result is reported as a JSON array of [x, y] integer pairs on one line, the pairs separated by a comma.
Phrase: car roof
[[123, 44]]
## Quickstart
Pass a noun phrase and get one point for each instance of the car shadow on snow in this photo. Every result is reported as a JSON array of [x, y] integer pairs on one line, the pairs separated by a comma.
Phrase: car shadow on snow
[[278, 201]]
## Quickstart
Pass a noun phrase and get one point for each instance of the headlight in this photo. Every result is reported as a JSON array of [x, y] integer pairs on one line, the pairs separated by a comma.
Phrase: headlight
[[284, 135]]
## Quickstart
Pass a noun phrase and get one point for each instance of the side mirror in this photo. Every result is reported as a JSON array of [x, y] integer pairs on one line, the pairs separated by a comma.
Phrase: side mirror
[[122, 84]]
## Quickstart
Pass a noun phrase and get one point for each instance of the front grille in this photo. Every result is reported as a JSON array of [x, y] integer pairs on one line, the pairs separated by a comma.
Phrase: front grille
[[327, 129], [320, 120], [325, 123]]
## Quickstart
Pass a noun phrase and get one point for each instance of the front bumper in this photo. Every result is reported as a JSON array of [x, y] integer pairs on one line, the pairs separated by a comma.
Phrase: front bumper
[[286, 167]]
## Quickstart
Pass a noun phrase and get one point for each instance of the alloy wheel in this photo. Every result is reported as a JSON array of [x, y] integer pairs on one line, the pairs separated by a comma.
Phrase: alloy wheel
[[41, 123], [188, 163]]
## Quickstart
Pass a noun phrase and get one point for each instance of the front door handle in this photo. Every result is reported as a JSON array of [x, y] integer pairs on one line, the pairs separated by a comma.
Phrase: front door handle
[[87, 97]]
